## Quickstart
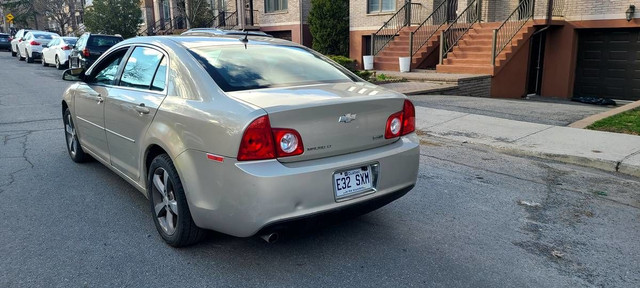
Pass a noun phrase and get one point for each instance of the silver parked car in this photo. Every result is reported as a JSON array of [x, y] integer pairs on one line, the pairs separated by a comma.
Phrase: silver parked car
[[242, 136]]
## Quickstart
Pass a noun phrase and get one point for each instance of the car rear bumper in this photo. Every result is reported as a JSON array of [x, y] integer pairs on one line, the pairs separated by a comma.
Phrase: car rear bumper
[[244, 198], [36, 55], [5, 45]]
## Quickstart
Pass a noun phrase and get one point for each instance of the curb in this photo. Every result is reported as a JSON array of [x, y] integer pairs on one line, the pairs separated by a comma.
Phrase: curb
[[593, 118], [606, 165]]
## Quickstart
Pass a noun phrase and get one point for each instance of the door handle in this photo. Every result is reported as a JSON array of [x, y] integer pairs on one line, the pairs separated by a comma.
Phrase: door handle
[[142, 109]]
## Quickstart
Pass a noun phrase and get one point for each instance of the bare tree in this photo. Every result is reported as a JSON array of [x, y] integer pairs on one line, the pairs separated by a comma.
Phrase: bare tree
[[197, 12], [56, 10]]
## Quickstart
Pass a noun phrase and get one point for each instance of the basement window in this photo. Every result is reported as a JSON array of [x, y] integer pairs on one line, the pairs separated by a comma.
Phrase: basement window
[[275, 5], [378, 6]]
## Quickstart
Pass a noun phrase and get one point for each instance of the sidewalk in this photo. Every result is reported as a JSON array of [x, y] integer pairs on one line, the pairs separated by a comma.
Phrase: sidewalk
[[603, 150]]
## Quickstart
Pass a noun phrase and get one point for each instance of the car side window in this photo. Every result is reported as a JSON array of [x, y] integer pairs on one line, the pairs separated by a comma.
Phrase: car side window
[[141, 67], [160, 79], [108, 68]]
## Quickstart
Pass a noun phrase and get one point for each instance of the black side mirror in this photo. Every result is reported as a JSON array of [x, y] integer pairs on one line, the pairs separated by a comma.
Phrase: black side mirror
[[73, 74]]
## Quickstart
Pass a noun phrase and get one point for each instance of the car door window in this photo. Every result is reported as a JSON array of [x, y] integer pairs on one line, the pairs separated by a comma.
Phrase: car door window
[[140, 68], [160, 79], [107, 69]]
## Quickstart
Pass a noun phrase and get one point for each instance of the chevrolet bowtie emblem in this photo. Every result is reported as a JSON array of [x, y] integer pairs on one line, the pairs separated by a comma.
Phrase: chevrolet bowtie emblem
[[346, 118]]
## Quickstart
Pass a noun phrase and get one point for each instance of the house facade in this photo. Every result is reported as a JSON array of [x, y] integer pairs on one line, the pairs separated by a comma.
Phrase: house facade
[[284, 19], [561, 48]]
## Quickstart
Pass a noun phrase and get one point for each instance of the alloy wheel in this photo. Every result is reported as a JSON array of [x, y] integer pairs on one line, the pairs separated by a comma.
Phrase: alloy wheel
[[164, 201], [72, 140]]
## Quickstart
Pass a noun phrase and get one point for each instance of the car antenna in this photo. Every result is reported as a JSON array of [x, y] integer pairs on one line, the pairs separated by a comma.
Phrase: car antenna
[[245, 40]]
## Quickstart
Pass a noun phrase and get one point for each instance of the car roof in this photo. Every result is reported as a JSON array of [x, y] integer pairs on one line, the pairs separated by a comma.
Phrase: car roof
[[69, 38], [216, 31], [203, 41], [42, 32]]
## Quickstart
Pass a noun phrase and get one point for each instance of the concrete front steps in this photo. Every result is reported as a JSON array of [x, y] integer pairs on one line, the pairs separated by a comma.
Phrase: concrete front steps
[[472, 54], [427, 55]]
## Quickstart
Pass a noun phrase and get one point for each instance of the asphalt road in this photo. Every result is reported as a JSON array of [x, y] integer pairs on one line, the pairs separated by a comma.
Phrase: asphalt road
[[68, 225]]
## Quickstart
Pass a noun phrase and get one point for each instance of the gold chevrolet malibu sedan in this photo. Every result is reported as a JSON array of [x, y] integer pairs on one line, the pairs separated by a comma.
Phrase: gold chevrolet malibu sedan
[[243, 135]]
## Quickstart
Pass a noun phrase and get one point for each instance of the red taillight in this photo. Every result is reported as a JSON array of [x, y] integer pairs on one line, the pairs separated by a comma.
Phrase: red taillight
[[394, 126], [288, 142], [408, 118], [66, 48], [401, 123], [257, 141], [85, 52], [19, 40], [34, 43]]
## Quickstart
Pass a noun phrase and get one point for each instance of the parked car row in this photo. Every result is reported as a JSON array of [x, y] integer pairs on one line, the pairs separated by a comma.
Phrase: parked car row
[[61, 52]]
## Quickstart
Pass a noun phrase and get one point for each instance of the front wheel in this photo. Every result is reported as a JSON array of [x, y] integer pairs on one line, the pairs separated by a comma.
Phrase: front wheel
[[13, 53], [73, 144], [169, 206]]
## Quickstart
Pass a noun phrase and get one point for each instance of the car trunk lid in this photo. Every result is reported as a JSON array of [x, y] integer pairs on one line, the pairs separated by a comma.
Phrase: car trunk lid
[[332, 119]]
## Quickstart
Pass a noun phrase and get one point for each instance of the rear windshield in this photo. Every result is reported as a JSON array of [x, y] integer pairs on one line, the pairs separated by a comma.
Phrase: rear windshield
[[70, 41], [4, 36], [43, 36], [237, 67], [103, 41]]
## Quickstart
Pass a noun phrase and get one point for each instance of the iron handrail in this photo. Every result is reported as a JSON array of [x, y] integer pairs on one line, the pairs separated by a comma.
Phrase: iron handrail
[[230, 21], [423, 33], [504, 34], [450, 37], [389, 29]]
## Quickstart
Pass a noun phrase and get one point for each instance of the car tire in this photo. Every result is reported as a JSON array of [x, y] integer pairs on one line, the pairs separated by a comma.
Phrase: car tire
[[58, 65], [44, 63], [168, 203], [13, 53], [73, 144], [20, 57], [29, 59]]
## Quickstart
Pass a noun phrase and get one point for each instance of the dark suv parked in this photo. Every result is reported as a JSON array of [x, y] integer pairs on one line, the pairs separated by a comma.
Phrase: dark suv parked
[[89, 47]]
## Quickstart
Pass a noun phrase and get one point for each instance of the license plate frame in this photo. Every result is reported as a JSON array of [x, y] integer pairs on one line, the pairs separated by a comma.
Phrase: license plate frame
[[340, 196]]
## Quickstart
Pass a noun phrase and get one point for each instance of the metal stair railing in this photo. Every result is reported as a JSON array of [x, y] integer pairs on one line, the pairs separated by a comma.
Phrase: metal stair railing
[[428, 28], [230, 21], [503, 35], [390, 29], [450, 37]]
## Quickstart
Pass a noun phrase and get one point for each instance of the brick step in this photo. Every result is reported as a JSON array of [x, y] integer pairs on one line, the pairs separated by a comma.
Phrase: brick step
[[466, 61], [465, 69], [393, 53], [475, 42], [475, 36], [474, 55], [487, 26]]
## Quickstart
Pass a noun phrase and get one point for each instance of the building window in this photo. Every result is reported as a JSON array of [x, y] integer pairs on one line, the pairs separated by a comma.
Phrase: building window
[[377, 6], [275, 5]]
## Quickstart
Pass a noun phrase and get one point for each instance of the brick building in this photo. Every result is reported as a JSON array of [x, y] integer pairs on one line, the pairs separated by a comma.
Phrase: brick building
[[281, 18], [560, 48]]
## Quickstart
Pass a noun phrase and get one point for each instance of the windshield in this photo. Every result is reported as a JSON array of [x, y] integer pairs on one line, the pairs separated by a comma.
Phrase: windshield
[[43, 36], [237, 68], [103, 41], [70, 41]]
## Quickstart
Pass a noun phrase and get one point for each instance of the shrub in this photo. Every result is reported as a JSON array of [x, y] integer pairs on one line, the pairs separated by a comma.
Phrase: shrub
[[344, 61], [329, 25]]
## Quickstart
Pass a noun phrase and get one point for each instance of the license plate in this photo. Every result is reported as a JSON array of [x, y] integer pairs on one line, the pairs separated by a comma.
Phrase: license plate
[[353, 182]]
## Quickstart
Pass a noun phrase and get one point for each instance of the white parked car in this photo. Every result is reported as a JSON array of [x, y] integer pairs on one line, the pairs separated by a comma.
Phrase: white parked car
[[31, 46], [57, 52]]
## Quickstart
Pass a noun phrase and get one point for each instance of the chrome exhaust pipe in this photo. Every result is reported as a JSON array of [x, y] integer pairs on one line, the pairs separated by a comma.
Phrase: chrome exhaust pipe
[[270, 237]]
